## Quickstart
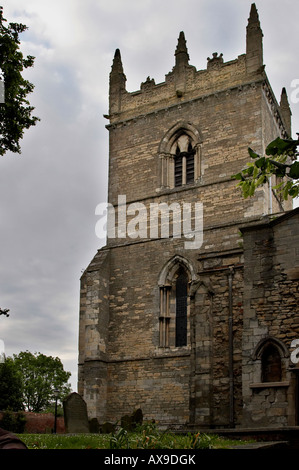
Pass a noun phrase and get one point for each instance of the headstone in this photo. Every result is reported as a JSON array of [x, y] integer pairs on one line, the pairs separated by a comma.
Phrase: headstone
[[94, 426], [107, 428], [126, 423], [138, 417], [75, 414], [129, 422]]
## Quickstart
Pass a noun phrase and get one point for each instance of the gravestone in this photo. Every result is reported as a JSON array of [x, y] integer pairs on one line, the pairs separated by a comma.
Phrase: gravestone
[[129, 422], [75, 414]]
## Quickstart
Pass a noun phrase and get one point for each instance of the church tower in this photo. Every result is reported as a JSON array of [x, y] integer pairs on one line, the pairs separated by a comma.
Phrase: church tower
[[161, 303]]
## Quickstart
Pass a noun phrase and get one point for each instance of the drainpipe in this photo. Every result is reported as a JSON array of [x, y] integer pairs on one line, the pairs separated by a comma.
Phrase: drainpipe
[[270, 195], [230, 339]]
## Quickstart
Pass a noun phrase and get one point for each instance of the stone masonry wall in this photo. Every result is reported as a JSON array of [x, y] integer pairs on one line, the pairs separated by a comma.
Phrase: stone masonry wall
[[157, 385], [228, 124], [224, 312], [122, 365], [271, 308]]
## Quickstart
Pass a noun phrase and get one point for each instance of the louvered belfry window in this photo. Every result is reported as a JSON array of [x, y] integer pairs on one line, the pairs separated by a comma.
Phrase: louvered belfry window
[[181, 309], [190, 165], [184, 161], [178, 168]]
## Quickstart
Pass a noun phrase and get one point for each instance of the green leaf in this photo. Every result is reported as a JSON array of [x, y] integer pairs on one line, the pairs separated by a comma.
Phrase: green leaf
[[280, 165], [252, 189], [261, 180], [294, 171], [280, 168], [278, 186], [279, 146], [256, 171], [252, 153], [238, 176], [260, 163], [294, 191], [286, 190]]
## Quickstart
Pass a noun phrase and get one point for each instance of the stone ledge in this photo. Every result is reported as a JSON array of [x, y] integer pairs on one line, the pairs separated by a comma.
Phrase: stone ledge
[[269, 384]]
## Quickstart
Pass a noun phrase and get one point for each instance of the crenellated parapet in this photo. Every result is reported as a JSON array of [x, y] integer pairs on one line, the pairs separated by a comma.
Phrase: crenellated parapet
[[185, 82]]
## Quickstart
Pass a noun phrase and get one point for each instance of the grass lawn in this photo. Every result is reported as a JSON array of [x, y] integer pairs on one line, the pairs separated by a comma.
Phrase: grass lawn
[[145, 439]]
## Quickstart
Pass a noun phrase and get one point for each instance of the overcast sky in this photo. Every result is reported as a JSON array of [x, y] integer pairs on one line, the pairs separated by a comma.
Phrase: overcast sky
[[49, 193]]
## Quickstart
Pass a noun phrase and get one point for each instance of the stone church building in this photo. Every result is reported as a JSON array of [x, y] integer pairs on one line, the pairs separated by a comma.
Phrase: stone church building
[[190, 310]]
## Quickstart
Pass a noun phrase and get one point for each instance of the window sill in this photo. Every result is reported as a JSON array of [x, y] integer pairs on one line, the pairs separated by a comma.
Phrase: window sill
[[269, 385], [184, 187], [165, 352]]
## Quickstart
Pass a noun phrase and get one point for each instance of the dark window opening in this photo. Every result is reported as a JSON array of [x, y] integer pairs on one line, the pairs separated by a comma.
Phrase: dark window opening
[[178, 171], [271, 364], [181, 159], [181, 309], [189, 169]]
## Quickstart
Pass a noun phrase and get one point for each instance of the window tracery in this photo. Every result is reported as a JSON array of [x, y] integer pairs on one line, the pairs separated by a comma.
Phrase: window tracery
[[180, 156], [175, 306]]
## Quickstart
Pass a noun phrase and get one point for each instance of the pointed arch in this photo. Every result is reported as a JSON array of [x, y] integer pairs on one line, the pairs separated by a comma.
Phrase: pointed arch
[[180, 155], [174, 286], [283, 350], [175, 131], [166, 275]]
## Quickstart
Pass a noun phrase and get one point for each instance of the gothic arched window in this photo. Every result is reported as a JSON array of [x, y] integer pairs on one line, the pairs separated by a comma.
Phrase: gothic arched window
[[180, 151], [174, 317]]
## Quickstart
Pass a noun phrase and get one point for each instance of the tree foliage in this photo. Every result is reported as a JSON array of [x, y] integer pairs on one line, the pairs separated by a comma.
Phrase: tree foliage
[[41, 375], [280, 161], [10, 386], [15, 112]]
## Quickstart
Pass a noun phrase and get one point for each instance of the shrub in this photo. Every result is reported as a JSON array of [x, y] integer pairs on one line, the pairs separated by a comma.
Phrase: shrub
[[14, 422]]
